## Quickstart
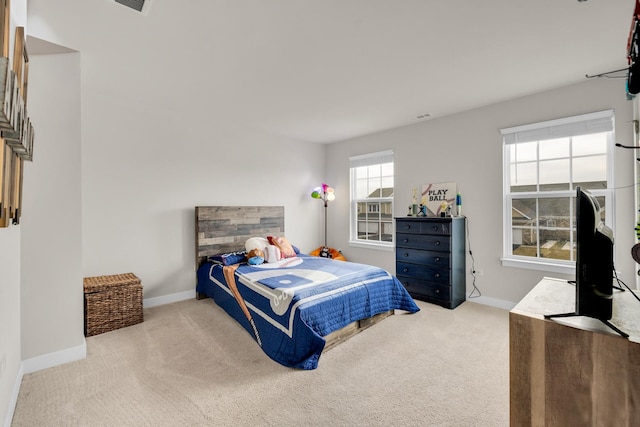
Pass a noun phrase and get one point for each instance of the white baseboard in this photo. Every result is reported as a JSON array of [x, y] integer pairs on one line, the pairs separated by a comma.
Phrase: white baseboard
[[50, 360], [72, 354], [168, 299], [14, 398], [493, 302]]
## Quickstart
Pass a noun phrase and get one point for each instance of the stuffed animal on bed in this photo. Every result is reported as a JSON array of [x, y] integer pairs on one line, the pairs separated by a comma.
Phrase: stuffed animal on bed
[[255, 257], [256, 248], [270, 253], [273, 248], [326, 252]]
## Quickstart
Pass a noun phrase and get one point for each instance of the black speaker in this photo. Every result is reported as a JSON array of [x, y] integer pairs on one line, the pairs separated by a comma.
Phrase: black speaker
[[635, 253], [633, 78]]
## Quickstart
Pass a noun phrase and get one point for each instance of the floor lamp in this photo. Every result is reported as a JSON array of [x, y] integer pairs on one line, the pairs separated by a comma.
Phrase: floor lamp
[[326, 194]]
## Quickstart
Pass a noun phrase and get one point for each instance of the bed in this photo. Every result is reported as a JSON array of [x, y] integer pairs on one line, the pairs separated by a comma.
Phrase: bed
[[294, 308]]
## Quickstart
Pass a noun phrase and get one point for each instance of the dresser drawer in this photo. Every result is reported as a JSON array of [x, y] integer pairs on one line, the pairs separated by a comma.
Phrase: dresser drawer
[[419, 256], [426, 289], [423, 272], [407, 227], [423, 241], [423, 227]]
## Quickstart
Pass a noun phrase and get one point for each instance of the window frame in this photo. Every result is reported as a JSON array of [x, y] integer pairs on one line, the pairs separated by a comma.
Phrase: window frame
[[371, 159], [602, 121]]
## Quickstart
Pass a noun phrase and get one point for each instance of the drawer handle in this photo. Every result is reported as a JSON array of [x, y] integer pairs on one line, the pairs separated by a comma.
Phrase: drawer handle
[[437, 242], [405, 270], [406, 254], [437, 291], [405, 241], [437, 259], [435, 228], [437, 275], [407, 226]]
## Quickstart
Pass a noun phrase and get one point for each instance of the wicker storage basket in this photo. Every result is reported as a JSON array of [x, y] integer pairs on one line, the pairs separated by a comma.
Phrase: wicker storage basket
[[111, 302]]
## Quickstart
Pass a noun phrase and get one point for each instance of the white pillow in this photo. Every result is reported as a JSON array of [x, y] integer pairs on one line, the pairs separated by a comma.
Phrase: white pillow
[[272, 254], [256, 243]]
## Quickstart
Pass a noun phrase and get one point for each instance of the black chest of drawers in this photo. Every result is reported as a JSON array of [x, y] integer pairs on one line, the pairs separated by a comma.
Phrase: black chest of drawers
[[431, 258]]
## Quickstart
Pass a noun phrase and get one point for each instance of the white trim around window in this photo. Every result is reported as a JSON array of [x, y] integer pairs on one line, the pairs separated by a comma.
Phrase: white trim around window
[[371, 201], [602, 122]]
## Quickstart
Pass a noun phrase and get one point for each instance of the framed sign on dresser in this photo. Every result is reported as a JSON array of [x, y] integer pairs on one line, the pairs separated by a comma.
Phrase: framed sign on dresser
[[431, 258]]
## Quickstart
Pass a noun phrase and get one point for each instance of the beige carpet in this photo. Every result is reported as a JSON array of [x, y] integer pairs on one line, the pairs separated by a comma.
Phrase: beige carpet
[[189, 364]]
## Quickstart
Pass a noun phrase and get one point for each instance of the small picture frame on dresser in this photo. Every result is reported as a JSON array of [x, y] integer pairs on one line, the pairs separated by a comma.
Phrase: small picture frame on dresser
[[437, 195]]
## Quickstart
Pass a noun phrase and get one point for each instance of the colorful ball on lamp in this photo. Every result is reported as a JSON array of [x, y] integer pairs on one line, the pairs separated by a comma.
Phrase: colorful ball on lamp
[[324, 193]]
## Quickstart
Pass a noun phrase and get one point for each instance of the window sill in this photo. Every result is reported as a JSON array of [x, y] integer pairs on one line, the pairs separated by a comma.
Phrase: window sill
[[377, 246], [539, 265]]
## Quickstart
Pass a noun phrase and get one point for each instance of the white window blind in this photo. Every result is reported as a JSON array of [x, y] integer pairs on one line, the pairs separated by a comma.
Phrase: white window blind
[[601, 121], [371, 159]]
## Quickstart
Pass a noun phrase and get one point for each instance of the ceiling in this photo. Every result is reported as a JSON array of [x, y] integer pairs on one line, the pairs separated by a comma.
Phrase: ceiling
[[330, 70]]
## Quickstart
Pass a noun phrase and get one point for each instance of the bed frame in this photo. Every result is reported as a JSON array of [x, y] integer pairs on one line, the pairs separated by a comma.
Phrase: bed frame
[[221, 229]]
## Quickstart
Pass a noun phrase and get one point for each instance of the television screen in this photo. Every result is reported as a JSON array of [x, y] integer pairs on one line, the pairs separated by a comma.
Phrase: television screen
[[594, 262], [594, 259]]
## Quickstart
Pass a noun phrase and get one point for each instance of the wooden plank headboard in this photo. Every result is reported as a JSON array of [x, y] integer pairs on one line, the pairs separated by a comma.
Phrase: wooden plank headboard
[[222, 229]]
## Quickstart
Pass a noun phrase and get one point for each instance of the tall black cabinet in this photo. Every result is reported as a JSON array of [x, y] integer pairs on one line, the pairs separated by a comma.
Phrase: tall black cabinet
[[431, 258]]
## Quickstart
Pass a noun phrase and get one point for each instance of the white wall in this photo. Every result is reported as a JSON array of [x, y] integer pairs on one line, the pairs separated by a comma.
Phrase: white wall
[[152, 148], [52, 292], [467, 148], [10, 357]]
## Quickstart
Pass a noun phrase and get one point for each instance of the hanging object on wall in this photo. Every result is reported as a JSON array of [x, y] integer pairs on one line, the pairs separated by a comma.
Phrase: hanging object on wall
[[6, 154], [633, 53], [16, 130], [16, 126]]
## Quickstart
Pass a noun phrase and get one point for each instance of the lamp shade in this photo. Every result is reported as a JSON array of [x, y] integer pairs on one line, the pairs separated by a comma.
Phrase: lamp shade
[[324, 193]]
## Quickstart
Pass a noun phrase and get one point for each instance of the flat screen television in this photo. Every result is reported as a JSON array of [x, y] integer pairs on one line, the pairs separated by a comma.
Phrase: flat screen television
[[594, 263]]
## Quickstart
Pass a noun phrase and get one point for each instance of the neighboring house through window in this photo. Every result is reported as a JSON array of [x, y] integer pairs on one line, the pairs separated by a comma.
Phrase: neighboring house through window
[[543, 165], [372, 200]]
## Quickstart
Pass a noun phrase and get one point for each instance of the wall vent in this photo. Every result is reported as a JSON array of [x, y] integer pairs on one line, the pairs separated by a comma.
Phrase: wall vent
[[133, 4]]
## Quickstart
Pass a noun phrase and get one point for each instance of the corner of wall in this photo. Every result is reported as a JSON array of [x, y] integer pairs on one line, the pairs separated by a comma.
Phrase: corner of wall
[[13, 400]]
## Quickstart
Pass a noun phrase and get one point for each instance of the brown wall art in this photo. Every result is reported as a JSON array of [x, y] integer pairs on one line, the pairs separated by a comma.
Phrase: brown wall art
[[16, 130]]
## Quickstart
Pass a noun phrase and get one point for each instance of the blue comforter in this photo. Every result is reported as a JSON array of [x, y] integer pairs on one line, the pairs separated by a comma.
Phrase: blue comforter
[[289, 306]]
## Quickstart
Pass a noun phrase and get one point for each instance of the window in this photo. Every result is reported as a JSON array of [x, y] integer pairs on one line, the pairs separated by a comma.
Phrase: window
[[543, 164], [372, 200]]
